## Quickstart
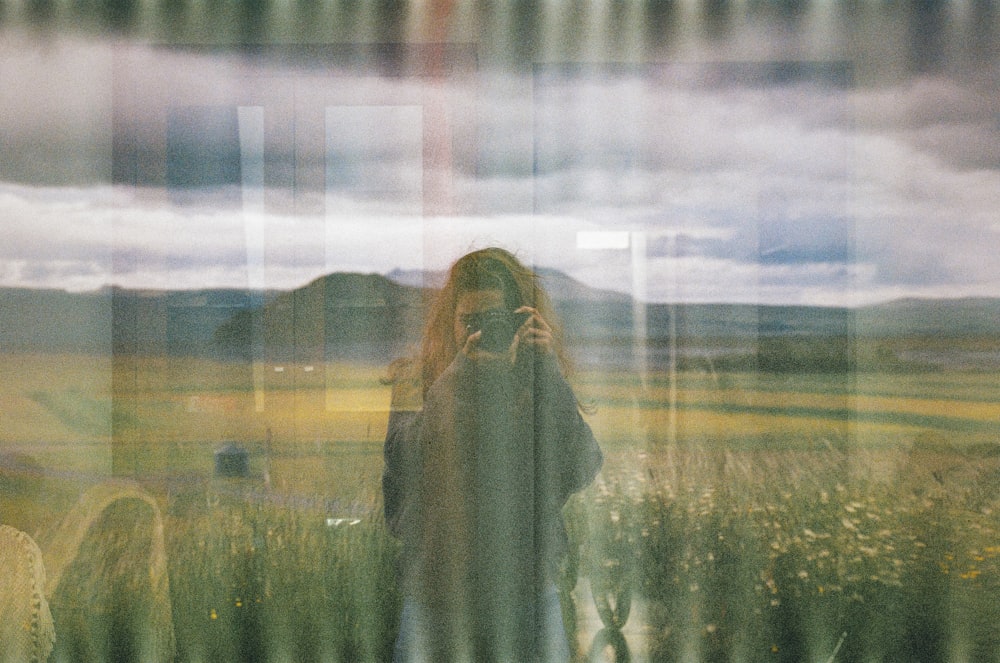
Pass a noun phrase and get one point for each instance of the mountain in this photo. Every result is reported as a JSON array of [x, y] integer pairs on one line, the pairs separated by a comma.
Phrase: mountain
[[181, 322], [564, 288], [374, 318], [118, 320], [418, 278], [942, 318], [660, 322], [355, 316], [558, 285], [55, 321]]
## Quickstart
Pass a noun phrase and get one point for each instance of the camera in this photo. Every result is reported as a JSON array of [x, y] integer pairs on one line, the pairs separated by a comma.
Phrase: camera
[[497, 327]]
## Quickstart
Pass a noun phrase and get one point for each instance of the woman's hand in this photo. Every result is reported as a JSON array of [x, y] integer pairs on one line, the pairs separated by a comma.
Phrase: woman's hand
[[473, 351], [471, 347], [534, 332]]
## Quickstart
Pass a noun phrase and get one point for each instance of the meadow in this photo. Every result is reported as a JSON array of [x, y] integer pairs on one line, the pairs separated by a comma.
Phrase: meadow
[[739, 516]]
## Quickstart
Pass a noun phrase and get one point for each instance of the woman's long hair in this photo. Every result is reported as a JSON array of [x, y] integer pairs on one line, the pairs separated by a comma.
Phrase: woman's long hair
[[486, 269]]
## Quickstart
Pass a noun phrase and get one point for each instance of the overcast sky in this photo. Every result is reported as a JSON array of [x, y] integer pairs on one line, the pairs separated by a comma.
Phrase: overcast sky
[[832, 159]]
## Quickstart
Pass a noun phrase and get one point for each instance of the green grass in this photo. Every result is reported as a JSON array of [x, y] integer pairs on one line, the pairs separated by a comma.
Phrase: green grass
[[77, 410], [780, 556], [757, 518], [257, 582]]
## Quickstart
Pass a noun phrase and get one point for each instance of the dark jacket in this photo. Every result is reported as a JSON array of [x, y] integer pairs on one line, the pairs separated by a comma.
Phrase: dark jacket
[[474, 485]]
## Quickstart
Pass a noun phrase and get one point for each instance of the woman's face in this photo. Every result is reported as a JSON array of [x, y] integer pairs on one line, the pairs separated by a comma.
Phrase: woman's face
[[471, 302]]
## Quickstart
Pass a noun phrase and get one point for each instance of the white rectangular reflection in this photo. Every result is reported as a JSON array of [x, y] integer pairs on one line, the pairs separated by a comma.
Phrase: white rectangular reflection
[[602, 239], [251, 130]]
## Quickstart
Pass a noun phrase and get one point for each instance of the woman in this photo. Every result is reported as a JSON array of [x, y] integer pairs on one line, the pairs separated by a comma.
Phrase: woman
[[485, 445]]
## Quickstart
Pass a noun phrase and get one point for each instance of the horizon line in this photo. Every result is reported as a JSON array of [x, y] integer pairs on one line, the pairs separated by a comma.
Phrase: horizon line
[[692, 302]]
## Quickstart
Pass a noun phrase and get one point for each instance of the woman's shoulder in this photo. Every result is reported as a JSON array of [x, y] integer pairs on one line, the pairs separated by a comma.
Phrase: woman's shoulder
[[405, 377]]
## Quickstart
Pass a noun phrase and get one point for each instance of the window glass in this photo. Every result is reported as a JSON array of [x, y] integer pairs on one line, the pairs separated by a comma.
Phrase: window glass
[[452, 331]]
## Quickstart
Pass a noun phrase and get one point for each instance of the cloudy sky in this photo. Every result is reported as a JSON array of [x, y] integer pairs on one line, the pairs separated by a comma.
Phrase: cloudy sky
[[822, 156]]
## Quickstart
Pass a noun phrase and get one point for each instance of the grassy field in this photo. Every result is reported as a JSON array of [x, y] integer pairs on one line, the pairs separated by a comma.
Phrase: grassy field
[[739, 516]]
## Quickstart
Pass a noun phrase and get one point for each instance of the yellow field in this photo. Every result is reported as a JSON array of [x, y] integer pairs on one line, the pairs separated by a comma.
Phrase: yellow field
[[324, 424]]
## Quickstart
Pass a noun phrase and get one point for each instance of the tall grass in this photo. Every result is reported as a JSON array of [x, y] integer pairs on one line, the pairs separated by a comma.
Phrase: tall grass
[[255, 581], [723, 555], [767, 555]]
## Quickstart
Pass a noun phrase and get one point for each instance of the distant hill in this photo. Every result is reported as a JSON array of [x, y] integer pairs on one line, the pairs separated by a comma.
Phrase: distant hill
[[418, 278], [558, 285], [356, 316], [54, 321], [176, 323], [119, 320], [944, 318], [615, 319], [374, 318]]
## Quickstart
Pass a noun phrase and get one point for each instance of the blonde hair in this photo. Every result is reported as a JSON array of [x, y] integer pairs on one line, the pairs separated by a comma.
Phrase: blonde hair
[[486, 269]]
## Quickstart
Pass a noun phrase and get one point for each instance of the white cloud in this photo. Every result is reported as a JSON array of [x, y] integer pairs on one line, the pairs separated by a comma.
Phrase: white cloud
[[53, 113], [799, 191]]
